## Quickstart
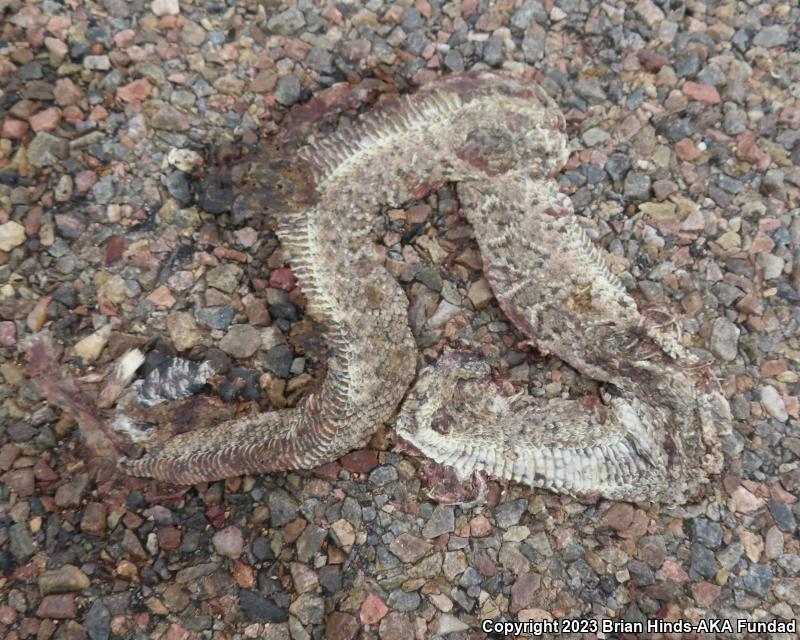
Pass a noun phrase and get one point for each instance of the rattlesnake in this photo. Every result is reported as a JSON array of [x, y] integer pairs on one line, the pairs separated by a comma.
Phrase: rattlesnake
[[502, 142]]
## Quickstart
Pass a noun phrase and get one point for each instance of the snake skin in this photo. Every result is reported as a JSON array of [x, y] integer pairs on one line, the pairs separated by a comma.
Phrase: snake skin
[[502, 141]]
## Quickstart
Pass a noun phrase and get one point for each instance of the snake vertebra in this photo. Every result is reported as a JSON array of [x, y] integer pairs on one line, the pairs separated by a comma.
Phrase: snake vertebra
[[502, 141]]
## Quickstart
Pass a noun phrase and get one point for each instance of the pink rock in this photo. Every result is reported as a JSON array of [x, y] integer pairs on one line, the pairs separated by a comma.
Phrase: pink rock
[[124, 38], [705, 592], [98, 113], [480, 527], [523, 590], [686, 149], [705, 93], [57, 48], [7, 615], [282, 278], [73, 114], [671, 571], [176, 632], [748, 150], [14, 129], [84, 180], [362, 461], [59, 607], [8, 333], [134, 91], [58, 25], [744, 501], [373, 609], [66, 92], [46, 120], [619, 516]]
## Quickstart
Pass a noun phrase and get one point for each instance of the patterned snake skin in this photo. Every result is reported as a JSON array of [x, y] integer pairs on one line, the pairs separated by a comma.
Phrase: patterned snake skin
[[502, 142]]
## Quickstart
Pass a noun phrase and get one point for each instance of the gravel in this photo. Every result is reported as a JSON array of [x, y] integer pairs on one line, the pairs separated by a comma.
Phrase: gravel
[[120, 228]]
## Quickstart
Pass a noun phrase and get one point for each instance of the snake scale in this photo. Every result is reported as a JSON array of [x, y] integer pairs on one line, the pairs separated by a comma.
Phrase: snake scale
[[502, 142]]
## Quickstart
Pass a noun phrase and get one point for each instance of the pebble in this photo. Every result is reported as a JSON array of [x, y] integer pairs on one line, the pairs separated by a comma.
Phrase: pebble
[[257, 608], [308, 608], [20, 542], [409, 548], [287, 91], [98, 622], [383, 475], [57, 607], [442, 520], [12, 234], [241, 341], [64, 579], [90, 348], [772, 36], [784, 518], [282, 508], [637, 185], [183, 330], [286, 22], [46, 150], [401, 601], [229, 542], [773, 403], [724, 341], [372, 610]]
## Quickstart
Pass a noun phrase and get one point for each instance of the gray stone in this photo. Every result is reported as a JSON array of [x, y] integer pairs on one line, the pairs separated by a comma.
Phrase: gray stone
[[309, 542], [508, 514], [724, 340], [454, 61], [282, 508], [98, 622], [733, 122], [224, 277], [493, 52], [320, 60], [758, 579], [528, 12], [287, 91], [241, 341], [228, 542], [637, 186], [20, 542], [411, 19], [215, 317], [178, 187], [703, 561], [533, 43], [594, 136], [46, 150], [687, 65], [258, 609], [279, 360], [783, 516], [707, 532], [169, 118], [399, 600], [442, 520], [287, 22], [775, 35], [383, 475], [591, 91], [103, 190], [309, 609]]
